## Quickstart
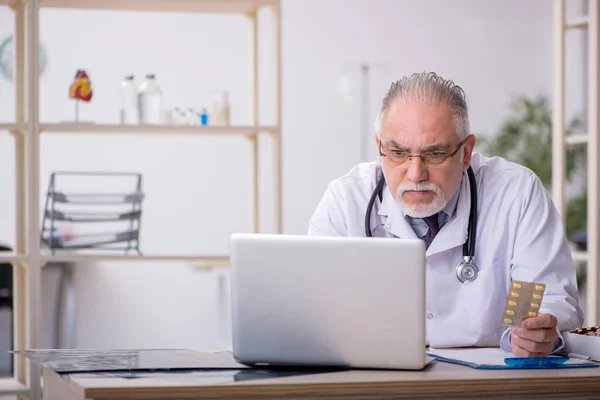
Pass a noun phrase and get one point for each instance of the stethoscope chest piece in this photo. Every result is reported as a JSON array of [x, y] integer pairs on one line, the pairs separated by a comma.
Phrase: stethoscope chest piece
[[467, 270]]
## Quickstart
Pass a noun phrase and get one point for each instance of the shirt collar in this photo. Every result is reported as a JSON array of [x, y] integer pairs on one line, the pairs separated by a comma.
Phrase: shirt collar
[[450, 207]]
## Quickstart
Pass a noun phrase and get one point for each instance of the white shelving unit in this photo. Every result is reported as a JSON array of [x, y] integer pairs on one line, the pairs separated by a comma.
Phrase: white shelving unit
[[591, 139], [27, 129]]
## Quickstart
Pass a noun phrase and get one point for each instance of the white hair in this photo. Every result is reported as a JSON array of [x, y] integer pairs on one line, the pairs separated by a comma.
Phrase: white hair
[[430, 88]]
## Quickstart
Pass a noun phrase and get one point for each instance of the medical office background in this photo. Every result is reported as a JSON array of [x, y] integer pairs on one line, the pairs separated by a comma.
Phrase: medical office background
[[338, 58]]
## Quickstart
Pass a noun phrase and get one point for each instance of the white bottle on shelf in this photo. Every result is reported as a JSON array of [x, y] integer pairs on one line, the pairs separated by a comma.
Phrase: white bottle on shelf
[[150, 101], [192, 117], [176, 116], [129, 113]]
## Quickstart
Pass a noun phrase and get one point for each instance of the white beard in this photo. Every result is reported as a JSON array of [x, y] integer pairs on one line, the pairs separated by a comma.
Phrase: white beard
[[421, 210]]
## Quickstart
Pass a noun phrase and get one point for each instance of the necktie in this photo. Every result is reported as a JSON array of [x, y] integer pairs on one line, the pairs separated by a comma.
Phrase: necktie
[[432, 223]]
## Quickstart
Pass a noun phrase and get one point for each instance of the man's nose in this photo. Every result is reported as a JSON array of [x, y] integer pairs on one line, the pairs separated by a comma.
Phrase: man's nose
[[416, 170]]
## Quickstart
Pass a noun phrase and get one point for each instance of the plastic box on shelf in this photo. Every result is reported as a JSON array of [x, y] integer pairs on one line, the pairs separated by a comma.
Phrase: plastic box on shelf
[[65, 211]]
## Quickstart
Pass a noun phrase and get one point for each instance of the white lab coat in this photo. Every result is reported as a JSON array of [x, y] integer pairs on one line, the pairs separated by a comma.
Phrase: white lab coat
[[519, 236]]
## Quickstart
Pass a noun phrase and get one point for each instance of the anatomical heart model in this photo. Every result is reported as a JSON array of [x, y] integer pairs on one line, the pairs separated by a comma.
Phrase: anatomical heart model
[[80, 90]]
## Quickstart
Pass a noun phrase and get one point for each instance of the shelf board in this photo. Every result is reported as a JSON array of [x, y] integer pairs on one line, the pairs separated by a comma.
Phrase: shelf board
[[577, 23], [577, 138], [82, 128], [195, 259], [10, 257], [13, 127], [11, 386], [200, 6], [9, 2], [579, 256]]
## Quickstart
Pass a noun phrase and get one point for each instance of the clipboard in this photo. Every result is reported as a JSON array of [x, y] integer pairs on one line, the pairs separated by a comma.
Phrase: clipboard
[[497, 359]]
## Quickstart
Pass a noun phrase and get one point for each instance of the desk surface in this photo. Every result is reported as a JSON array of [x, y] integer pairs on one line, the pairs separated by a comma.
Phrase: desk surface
[[438, 380]]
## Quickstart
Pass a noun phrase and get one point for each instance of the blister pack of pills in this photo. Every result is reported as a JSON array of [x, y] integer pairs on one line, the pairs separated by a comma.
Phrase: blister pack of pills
[[523, 301]]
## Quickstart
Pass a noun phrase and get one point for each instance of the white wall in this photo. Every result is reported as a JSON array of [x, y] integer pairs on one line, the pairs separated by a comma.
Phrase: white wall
[[493, 49], [197, 187]]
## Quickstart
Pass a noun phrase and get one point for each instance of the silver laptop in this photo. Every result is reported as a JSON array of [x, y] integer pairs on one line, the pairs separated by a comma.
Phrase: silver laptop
[[328, 301]]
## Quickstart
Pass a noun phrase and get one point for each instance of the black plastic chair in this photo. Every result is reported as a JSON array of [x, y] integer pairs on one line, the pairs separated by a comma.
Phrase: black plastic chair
[[6, 296]]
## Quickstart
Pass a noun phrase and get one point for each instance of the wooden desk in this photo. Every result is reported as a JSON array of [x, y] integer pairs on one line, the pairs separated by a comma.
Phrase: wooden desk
[[438, 380]]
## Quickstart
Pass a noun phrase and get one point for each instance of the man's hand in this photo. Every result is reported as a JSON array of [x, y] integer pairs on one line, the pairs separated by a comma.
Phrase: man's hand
[[535, 337]]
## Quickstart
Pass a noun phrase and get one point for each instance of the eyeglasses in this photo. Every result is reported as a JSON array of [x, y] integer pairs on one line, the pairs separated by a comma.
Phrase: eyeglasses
[[431, 158]]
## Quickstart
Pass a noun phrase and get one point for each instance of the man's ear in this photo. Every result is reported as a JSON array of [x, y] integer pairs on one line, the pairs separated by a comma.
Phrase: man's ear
[[468, 150]]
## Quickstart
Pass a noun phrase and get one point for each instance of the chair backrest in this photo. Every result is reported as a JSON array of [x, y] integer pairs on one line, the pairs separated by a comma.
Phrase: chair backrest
[[6, 280]]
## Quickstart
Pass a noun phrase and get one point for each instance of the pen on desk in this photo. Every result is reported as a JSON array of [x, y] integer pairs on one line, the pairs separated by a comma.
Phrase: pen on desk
[[579, 356]]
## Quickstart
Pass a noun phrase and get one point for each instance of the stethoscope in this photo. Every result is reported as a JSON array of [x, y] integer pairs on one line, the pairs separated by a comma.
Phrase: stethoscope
[[466, 271]]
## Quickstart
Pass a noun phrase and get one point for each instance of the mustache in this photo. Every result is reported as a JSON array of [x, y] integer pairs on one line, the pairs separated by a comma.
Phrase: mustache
[[419, 187]]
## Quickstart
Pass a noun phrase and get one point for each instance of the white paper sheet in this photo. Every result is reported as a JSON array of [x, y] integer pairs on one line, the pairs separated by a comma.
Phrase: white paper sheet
[[487, 357], [478, 356]]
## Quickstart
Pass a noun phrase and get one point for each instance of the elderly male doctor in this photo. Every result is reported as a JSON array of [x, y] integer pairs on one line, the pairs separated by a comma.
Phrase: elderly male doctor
[[425, 149]]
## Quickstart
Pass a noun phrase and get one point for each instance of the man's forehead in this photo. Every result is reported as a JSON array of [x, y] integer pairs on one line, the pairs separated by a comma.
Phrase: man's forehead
[[418, 118], [407, 134]]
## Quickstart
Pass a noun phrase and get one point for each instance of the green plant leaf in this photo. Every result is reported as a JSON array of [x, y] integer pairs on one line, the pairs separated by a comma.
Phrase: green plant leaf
[[526, 138]]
